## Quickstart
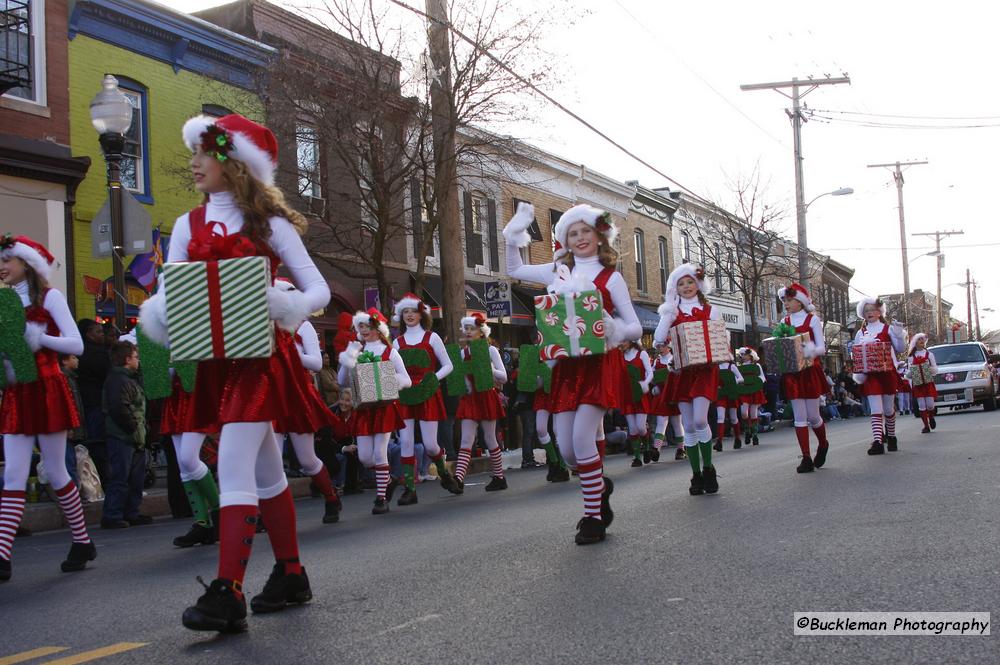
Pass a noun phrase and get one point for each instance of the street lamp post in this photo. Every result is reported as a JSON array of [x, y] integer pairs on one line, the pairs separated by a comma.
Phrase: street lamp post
[[803, 249], [111, 116]]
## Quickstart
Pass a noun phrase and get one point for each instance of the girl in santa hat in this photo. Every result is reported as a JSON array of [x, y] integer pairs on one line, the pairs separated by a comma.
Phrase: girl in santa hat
[[880, 387], [804, 388], [302, 425], [750, 404], [373, 425], [484, 409], [926, 393], [636, 411], [697, 387], [233, 164], [727, 407], [41, 411], [663, 405], [417, 334], [583, 388]]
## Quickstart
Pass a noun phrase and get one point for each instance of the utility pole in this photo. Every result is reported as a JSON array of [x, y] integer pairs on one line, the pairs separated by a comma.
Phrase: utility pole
[[897, 175], [975, 308], [795, 115], [940, 263], [968, 300], [444, 127]]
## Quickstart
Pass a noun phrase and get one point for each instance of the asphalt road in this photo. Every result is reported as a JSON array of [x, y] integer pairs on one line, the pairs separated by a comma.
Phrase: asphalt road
[[496, 578]]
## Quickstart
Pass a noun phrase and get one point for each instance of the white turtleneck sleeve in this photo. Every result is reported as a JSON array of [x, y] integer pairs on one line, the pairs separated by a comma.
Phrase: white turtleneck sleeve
[[628, 327], [68, 340], [444, 360], [518, 269], [499, 371], [309, 351]]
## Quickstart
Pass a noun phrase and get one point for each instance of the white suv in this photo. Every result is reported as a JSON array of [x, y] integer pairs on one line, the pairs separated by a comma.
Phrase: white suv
[[965, 376]]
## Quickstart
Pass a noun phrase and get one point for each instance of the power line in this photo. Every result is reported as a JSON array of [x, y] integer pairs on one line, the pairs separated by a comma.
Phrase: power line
[[909, 117], [896, 249], [813, 115]]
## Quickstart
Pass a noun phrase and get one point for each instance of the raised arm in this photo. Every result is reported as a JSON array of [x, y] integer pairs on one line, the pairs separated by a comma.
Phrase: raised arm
[[516, 235]]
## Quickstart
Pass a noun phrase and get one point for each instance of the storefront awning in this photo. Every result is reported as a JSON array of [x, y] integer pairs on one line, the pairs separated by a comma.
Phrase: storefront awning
[[474, 300], [649, 318]]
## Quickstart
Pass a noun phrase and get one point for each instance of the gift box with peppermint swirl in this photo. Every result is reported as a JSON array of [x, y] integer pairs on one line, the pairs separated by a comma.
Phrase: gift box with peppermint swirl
[[373, 382], [700, 343], [570, 324], [784, 352]]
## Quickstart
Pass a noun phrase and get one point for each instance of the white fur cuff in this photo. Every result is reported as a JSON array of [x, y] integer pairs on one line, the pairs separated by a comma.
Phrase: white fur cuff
[[288, 308], [859, 378], [33, 334], [153, 319], [516, 230]]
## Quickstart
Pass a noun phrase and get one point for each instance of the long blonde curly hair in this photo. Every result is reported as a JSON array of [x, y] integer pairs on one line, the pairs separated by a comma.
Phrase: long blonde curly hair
[[258, 202]]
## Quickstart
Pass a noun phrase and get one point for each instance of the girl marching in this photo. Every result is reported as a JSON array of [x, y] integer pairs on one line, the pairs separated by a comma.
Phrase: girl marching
[[804, 388], [663, 408], [696, 387], [880, 387], [727, 407], [417, 334], [584, 387], [926, 393], [374, 424], [636, 411], [233, 164], [484, 409], [44, 409], [750, 404]]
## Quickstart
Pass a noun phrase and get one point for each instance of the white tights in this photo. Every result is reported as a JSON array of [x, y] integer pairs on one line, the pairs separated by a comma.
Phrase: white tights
[[636, 424], [748, 411], [188, 449], [577, 432], [305, 452], [881, 405], [249, 464], [925, 403], [806, 412], [17, 449], [663, 421], [542, 426], [373, 450], [428, 432], [489, 433], [694, 417]]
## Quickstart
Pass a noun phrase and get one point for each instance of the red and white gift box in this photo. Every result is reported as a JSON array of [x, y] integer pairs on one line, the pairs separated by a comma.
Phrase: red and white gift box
[[873, 357], [700, 343]]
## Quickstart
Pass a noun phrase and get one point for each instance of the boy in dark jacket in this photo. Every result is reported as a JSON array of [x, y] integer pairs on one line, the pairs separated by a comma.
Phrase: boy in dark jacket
[[125, 423]]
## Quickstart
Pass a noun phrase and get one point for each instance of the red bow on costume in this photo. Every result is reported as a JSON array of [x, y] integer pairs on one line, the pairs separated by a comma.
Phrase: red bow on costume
[[210, 245]]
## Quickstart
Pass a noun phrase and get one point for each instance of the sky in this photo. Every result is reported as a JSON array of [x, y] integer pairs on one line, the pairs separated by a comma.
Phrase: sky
[[663, 78]]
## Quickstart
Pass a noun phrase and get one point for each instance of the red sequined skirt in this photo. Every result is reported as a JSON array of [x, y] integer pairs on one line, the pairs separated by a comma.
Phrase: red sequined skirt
[[430, 411], [728, 402], [926, 390], [543, 401], [644, 405], [593, 380], [482, 406], [880, 383], [810, 383], [660, 404], [175, 409], [756, 398], [44, 406], [698, 381], [377, 420], [314, 416]]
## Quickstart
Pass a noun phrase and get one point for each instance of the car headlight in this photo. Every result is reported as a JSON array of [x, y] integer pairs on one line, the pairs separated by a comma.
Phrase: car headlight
[[978, 374]]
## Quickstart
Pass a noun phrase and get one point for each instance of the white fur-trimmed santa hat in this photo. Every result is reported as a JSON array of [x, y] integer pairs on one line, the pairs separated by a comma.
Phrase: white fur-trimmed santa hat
[[30, 251], [748, 351], [868, 300], [913, 342], [800, 293], [235, 137], [594, 217], [671, 300], [372, 318], [477, 320], [409, 301]]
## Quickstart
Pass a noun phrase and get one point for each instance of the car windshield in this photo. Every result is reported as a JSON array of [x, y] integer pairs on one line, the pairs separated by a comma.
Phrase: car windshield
[[958, 353]]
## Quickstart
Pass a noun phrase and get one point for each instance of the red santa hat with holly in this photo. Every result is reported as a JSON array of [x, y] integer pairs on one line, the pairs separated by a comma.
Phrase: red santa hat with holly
[[408, 301], [800, 293], [373, 318], [30, 251], [671, 300], [476, 320], [235, 137]]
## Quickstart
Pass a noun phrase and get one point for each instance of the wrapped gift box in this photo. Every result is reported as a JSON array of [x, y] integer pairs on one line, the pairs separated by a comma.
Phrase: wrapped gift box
[[786, 355], [373, 384], [921, 374], [700, 343], [570, 325], [873, 357], [218, 309]]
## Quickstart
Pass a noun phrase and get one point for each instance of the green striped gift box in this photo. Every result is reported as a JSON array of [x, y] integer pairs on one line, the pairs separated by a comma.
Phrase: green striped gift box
[[218, 309]]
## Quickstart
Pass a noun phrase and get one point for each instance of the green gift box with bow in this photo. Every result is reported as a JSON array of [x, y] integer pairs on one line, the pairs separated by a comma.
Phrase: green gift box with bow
[[373, 382], [784, 352]]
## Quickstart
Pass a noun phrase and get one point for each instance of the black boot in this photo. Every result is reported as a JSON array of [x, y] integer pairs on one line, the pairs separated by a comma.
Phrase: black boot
[[891, 444], [557, 474], [281, 590], [654, 453], [718, 445], [407, 498], [79, 555], [756, 442], [381, 507], [449, 483], [933, 423], [198, 534], [805, 466], [697, 484], [607, 515], [590, 530], [711, 480], [737, 444], [331, 512], [390, 489], [876, 448], [647, 454], [220, 609], [4, 569], [459, 486], [746, 437], [497, 484], [636, 463], [680, 454], [820, 458]]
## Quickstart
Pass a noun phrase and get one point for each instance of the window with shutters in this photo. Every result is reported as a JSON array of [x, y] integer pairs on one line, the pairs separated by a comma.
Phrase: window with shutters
[[22, 50], [717, 259], [685, 247], [664, 265], [307, 151], [640, 260], [554, 216], [135, 156]]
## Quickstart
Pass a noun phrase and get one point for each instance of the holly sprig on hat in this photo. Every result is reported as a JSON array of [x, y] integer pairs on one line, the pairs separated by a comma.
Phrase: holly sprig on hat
[[603, 222], [7, 241], [216, 141]]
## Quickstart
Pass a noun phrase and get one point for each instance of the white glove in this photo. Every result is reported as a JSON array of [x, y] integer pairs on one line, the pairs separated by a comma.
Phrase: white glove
[[516, 231], [33, 334], [656, 391], [153, 319], [8, 369], [645, 386], [859, 378], [288, 308], [349, 356], [809, 349]]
